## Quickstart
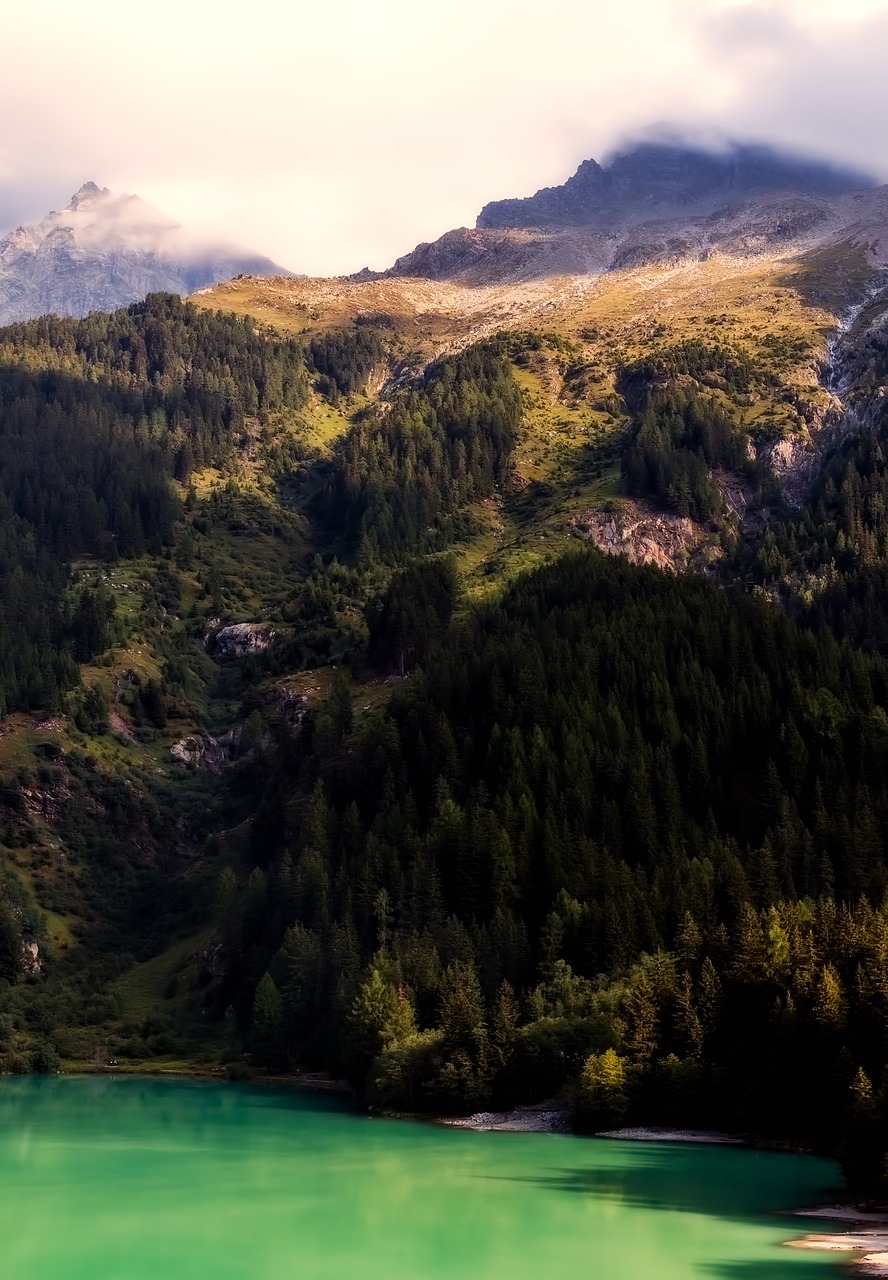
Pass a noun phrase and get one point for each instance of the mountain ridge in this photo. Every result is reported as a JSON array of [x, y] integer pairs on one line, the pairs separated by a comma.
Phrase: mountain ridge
[[657, 178], [657, 204]]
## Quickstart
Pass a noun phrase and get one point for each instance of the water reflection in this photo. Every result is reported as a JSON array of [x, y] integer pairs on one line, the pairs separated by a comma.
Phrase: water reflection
[[124, 1179]]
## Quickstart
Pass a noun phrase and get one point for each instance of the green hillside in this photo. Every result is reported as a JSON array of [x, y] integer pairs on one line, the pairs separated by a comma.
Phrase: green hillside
[[332, 741]]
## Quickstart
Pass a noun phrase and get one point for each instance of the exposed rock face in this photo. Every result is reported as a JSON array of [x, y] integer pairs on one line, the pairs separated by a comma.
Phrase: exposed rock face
[[657, 181], [241, 638], [658, 205], [199, 752], [646, 535], [31, 962], [795, 461], [289, 703], [105, 251], [859, 375], [481, 256], [49, 802]]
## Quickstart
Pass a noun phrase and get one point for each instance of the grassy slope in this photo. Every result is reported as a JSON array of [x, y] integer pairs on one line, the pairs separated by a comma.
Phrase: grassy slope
[[566, 461], [569, 336]]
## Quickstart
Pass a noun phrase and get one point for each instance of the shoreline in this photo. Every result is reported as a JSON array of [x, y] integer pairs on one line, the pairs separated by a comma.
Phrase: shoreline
[[648, 1133], [211, 1072], [867, 1245], [554, 1117], [544, 1117], [869, 1242]]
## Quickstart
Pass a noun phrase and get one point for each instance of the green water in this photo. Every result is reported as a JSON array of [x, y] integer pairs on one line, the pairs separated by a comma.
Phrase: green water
[[130, 1179]]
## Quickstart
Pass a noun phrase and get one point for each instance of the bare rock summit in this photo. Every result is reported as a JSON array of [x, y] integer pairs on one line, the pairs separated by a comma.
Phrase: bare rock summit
[[658, 181]]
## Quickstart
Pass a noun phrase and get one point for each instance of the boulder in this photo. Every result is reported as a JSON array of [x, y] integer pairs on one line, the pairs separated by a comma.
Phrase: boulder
[[241, 638]]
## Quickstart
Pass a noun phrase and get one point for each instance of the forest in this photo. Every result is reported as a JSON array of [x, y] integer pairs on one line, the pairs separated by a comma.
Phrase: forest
[[683, 426], [608, 817], [604, 831], [400, 479], [96, 417]]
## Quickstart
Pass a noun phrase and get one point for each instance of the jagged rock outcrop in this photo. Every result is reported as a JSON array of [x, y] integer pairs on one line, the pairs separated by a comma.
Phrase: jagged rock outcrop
[[644, 534], [658, 205], [289, 703], [480, 256], [31, 961], [200, 751], [654, 180], [795, 461], [104, 251], [241, 638], [204, 752]]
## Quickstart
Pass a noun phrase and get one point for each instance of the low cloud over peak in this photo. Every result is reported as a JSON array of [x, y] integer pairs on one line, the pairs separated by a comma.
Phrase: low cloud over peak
[[105, 250], [435, 112]]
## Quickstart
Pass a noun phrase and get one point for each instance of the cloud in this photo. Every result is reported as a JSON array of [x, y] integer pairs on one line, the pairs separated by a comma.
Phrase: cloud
[[821, 87], [749, 31], [330, 137]]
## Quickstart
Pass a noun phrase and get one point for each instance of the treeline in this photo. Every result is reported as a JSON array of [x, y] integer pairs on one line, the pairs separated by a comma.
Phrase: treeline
[[155, 390], [775, 1026], [203, 371], [579, 770], [442, 444], [711, 364], [96, 417]]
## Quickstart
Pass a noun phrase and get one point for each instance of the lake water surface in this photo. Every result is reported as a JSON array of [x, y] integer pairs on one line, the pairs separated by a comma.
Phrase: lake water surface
[[106, 1178]]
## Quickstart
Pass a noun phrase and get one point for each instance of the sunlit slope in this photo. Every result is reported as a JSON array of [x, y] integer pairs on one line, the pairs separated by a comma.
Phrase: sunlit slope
[[611, 318], [570, 336]]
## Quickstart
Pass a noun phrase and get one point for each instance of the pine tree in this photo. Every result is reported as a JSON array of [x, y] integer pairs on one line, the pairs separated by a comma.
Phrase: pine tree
[[267, 1026]]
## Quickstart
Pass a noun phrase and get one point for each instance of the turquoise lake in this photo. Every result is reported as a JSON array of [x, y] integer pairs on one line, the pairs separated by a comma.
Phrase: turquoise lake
[[105, 1178]]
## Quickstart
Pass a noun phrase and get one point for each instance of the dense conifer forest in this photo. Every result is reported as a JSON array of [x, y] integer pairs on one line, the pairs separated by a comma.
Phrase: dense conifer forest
[[96, 416], [683, 425], [603, 830], [442, 444]]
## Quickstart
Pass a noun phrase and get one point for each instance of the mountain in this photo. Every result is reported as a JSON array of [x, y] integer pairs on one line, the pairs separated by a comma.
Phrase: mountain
[[654, 180], [103, 251], [652, 204], [331, 740]]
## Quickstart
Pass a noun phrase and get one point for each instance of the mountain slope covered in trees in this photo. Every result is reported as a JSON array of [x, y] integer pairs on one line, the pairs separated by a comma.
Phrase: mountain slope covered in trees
[[330, 741]]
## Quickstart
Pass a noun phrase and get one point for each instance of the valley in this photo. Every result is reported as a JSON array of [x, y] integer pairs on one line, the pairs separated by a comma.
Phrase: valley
[[356, 756]]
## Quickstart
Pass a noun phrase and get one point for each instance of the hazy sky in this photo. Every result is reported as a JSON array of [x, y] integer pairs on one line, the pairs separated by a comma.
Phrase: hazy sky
[[336, 135]]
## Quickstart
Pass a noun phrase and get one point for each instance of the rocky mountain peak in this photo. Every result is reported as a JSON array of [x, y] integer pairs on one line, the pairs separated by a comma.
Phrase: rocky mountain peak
[[663, 180], [104, 251], [87, 193]]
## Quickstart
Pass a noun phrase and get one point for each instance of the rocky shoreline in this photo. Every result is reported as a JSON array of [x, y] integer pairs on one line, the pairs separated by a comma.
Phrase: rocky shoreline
[[869, 1240], [554, 1117], [545, 1117], [672, 1135]]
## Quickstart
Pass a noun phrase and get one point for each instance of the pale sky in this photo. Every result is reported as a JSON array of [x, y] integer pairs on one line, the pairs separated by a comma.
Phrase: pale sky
[[337, 135]]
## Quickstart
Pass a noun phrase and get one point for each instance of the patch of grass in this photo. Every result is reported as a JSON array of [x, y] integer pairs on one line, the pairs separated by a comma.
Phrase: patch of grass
[[833, 277], [162, 984]]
